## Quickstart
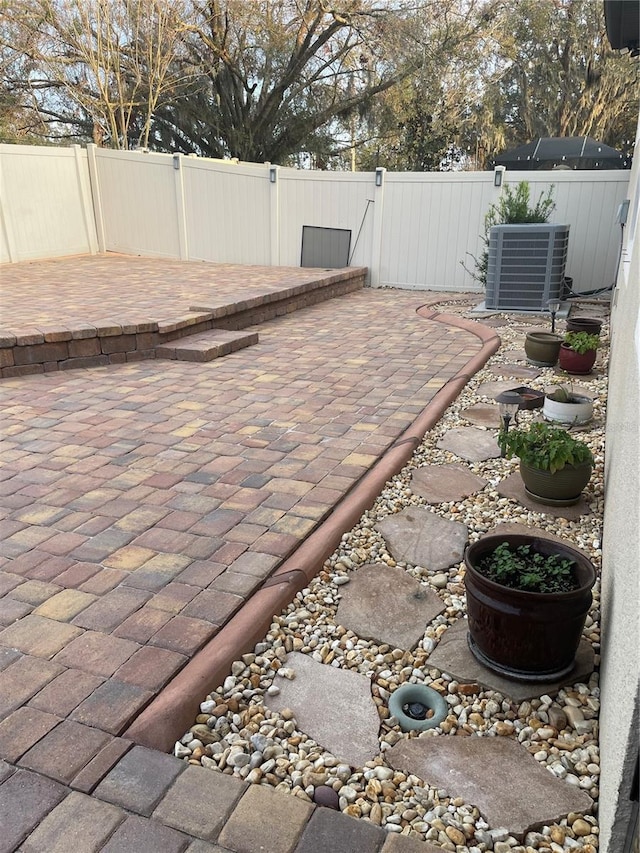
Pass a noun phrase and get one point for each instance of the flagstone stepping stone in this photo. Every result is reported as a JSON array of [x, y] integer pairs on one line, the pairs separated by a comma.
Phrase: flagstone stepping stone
[[332, 706], [470, 443], [531, 324], [493, 322], [513, 487], [497, 775], [517, 354], [515, 370], [492, 389], [420, 537], [386, 604], [483, 414], [443, 483], [452, 655], [596, 373]]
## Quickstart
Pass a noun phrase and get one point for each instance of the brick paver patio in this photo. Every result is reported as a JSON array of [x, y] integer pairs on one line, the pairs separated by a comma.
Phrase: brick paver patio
[[143, 504], [128, 289]]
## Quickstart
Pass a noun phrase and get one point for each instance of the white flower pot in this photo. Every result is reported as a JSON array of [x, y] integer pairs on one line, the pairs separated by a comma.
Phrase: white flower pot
[[579, 411]]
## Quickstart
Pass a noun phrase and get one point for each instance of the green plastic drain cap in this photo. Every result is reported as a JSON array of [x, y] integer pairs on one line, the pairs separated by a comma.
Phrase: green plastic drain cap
[[420, 693]]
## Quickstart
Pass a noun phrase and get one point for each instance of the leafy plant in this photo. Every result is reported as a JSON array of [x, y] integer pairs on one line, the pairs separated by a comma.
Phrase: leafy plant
[[528, 570], [545, 447], [566, 394], [561, 395], [512, 208], [582, 342]]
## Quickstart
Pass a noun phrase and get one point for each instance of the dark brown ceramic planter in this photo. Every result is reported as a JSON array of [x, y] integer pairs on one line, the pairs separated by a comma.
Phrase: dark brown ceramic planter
[[584, 324], [575, 362], [562, 488], [526, 636]]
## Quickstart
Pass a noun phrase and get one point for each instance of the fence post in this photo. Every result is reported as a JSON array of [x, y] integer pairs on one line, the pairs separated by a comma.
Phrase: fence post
[[85, 201], [96, 197], [375, 272], [274, 214], [5, 216], [180, 207]]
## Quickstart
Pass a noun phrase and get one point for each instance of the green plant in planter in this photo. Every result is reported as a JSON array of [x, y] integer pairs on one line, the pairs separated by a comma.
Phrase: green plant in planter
[[525, 569], [512, 208], [531, 630], [581, 342], [545, 447], [561, 394]]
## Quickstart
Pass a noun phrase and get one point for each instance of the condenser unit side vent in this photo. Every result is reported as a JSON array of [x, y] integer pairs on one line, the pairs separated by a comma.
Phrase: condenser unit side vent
[[526, 266]]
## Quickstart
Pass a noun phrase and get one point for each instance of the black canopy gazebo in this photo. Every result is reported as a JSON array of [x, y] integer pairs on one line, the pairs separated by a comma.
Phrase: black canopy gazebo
[[556, 152]]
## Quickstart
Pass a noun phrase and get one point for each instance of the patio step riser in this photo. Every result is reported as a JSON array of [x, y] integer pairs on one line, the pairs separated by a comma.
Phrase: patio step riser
[[206, 346]]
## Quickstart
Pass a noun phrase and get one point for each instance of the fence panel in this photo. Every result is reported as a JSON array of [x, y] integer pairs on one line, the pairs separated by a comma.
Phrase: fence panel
[[588, 202], [431, 222], [412, 231], [138, 194], [227, 210], [325, 200], [434, 221], [45, 204]]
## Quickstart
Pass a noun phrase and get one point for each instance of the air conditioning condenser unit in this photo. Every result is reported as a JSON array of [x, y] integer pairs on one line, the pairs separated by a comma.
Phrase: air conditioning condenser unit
[[526, 266]]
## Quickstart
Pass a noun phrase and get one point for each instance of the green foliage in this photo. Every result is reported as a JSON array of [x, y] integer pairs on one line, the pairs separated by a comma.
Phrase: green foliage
[[405, 85], [561, 395], [545, 447], [512, 208], [526, 569], [560, 77], [582, 342]]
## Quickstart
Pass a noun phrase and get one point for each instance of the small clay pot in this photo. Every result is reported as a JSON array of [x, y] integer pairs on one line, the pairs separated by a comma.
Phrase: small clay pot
[[584, 324], [542, 348]]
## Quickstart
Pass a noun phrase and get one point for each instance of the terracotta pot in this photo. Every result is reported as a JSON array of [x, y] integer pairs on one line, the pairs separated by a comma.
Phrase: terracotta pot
[[562, 487], [584, 324], [527, 636], [542, 348], [575, 362]]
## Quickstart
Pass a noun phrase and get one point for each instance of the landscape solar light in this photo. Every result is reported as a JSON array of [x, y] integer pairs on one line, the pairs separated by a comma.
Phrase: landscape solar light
[[508, 404], [554, 307]]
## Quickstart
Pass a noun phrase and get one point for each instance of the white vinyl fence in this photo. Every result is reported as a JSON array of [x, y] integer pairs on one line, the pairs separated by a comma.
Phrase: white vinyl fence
[[411, 229], [45, 203]]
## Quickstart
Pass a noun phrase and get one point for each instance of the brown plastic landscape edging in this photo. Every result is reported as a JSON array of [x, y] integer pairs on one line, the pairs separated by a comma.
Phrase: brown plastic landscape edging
[[173, 711]]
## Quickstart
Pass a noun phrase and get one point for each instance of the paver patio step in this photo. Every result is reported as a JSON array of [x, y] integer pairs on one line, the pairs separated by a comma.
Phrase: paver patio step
[[206, 346], [134, 305]]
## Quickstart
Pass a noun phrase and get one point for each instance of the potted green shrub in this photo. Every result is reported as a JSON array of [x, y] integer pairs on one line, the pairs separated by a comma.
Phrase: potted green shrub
[[578, 352], [527, 600], [554, 466], [514, 207], [565, 406]]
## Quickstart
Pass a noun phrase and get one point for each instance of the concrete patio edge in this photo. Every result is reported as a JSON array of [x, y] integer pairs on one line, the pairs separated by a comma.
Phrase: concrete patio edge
[[171, 713]]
